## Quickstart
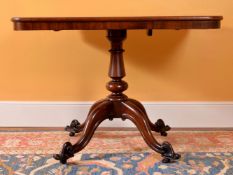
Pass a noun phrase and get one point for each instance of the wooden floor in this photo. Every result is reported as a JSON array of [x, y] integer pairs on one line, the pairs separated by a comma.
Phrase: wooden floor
[[106, 129]]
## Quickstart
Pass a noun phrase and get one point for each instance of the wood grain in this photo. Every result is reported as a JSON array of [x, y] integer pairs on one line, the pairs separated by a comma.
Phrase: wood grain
[[107, 23]]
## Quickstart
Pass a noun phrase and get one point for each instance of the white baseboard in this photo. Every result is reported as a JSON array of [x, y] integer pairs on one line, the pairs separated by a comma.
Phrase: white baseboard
[[59, 114]]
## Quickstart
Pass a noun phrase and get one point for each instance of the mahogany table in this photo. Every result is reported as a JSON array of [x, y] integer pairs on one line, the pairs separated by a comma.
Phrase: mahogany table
[[117, 104]]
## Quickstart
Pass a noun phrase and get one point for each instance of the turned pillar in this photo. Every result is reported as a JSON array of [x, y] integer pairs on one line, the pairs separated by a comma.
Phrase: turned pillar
[[116, 68]]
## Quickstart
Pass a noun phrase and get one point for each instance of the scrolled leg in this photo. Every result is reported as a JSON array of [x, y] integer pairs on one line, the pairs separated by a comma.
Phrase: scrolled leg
[[169, 155], [159, 126], [75, 126], [95, 117], [66, 152], [136, 115]]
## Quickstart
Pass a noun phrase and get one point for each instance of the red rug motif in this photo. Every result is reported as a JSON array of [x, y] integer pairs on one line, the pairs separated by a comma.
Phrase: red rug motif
[[114, 142], [116, 153]]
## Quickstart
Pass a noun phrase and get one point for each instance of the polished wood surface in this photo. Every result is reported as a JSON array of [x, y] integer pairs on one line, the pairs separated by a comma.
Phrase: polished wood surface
[[105, 23], [117, 104]]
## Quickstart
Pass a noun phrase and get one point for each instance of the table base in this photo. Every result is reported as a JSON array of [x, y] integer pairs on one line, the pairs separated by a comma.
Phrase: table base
[[117, 105]]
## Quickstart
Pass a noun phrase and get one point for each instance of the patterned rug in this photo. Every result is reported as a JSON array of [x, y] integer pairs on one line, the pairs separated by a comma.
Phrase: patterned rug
[[116, 153]]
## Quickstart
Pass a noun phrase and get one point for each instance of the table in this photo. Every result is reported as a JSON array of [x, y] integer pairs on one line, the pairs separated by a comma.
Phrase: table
[[117, 104]]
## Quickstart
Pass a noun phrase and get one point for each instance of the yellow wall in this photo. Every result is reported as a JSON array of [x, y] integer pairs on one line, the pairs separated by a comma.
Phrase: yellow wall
[[194, 65]]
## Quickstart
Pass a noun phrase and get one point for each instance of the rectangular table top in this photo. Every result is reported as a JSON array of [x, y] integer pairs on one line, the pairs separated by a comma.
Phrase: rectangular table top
[[107, 23]]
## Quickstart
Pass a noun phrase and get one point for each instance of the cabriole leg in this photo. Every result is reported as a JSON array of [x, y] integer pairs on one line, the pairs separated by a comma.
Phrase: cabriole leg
[[95, 117], [159, 125], [75, 126], [136, 115]]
